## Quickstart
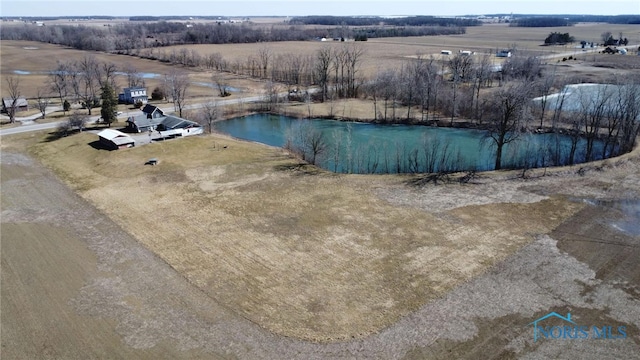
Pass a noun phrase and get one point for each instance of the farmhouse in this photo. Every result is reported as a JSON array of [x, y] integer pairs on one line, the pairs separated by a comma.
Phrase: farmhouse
[[21, 104], [114, 139], [154, 119], [131, 95]]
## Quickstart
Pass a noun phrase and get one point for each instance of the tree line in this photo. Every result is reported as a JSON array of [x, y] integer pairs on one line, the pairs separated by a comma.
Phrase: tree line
[[573, 19], [139, 35], [377, 21], [542, 21]]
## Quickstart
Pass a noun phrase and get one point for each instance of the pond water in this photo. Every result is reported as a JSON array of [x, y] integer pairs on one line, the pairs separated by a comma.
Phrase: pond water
[[351, 147]]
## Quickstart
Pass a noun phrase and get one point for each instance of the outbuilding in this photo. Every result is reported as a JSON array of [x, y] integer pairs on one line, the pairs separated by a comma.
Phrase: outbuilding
[[114, 139], [21, 104]]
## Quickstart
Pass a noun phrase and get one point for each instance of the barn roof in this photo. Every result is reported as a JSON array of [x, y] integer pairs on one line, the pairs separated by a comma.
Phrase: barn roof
[[111, 134], [21, 102]]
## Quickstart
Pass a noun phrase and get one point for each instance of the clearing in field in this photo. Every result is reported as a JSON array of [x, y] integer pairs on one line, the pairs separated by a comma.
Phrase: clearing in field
[[302, 252]]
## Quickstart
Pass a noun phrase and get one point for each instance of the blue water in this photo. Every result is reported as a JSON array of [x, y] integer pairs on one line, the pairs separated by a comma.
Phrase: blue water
[[351, 147], [215, 86]]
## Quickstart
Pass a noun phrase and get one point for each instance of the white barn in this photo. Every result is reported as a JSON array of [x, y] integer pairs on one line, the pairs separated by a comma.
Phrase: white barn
[[114, 139]]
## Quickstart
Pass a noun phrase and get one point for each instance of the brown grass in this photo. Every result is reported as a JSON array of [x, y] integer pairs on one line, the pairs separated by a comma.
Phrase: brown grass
[[297, 250], [379, 53]]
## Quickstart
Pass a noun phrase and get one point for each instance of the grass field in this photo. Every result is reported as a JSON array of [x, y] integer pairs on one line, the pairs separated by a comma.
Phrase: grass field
[[299, 251], [379, 54]]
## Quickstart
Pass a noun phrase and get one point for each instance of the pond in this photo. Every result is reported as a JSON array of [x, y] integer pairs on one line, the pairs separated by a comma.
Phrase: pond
[[365, 148]]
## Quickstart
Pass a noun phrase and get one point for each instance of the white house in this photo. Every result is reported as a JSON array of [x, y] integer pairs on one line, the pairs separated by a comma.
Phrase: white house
[[132, 95]]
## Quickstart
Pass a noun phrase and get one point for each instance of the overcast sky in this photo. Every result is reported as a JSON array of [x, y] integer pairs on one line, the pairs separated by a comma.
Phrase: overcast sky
[[313, 7]]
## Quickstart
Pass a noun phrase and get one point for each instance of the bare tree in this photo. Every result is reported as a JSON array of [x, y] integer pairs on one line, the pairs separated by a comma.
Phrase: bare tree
[[594, 104], [322, 66], [178, 85], [43, 101], [209, 113], [77, 120], [271, 98], [317, 144], [481, 78], [543, 86], [388, 82], [353, 57], [306, 141], [630, 125], [13, 87], [507, 108], [264, 57], [221, 83], [408, 81], [59, 82], [86, 81], [460, 68], [134, 79], [107, 74]]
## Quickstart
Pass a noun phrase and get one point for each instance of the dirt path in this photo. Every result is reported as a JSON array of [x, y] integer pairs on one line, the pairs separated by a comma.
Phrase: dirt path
[[74, 285]]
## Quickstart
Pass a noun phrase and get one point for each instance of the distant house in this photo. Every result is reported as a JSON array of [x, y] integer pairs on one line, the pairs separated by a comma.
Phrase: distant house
[[132, 95], [21, 104], [154, 119], [114, 139]]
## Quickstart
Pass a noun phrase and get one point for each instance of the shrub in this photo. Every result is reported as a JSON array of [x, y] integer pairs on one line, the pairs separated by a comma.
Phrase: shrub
[[157, 94]]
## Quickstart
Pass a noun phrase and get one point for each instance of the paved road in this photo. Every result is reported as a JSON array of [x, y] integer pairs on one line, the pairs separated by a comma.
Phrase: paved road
[[28, 123]]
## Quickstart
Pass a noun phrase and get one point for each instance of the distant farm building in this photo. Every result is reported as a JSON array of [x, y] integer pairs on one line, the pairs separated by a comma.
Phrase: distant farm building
[[114, 139], [154, 119], [132, 95], [503, 54], [21, 104]]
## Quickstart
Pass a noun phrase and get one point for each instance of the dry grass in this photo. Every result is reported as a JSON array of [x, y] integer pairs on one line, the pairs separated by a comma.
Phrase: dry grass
[[379, 53], [300, 251], [297, 250]]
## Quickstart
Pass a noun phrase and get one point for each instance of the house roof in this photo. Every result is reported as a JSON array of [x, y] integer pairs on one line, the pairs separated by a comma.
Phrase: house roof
[[143, 121], [169, 122], [150, 109], [7, 102], [174, 122], [111, 134]]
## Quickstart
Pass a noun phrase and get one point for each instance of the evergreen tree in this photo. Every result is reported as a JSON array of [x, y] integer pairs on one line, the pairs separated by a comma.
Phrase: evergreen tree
[[109, 104]]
